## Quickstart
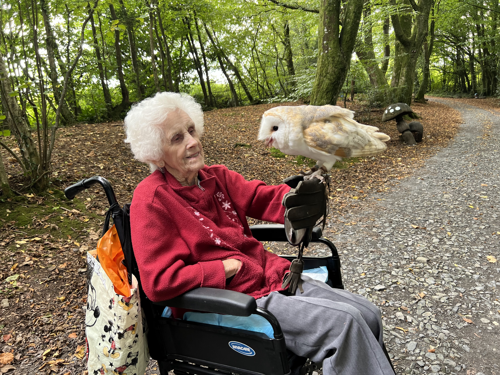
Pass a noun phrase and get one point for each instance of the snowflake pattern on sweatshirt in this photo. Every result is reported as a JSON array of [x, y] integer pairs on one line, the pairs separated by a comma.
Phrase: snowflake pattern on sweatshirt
[[210, 231], [231, 214]]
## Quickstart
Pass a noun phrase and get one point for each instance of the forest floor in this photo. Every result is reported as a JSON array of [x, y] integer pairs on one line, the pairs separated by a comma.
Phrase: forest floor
[[44, 238]]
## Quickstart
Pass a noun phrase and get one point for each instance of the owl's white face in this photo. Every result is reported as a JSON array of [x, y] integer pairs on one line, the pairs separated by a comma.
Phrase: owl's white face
[[272, 131]]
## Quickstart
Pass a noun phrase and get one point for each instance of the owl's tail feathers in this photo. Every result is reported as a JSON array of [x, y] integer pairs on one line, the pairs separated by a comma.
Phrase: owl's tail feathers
[[376, 144]]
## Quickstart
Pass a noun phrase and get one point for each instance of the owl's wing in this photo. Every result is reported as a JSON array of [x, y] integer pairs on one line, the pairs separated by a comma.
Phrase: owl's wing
[[337, 137]]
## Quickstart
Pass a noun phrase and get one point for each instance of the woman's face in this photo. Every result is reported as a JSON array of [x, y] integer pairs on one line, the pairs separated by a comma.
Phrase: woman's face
[[182, 149]]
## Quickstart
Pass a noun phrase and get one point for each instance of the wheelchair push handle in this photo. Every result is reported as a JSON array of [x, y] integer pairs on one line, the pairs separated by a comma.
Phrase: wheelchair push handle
[[84, 184]]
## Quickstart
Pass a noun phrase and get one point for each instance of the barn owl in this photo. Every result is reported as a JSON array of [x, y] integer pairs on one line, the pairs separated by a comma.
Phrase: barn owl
[[323, 133]]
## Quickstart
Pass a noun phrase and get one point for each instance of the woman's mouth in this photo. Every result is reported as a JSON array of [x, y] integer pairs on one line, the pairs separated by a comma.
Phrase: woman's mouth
[[193, 155], [269, 142]]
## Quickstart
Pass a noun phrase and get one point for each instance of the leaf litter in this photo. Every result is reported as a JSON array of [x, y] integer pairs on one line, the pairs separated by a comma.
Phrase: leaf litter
[[42, 260]]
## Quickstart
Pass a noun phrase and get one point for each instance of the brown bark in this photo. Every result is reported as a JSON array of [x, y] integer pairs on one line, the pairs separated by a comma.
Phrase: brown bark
[[125, 103], [105, 89], [52, 50], [428, 47], [203, 55], [151, 50], [366, 54], [336, 39], [411, 44], [234, 95], [4, 180], [230, 64], [167, 73], [129, 27], [196, 61], [288, 55]]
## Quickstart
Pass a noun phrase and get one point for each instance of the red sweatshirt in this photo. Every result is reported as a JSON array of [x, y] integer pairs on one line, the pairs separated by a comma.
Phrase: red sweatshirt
[[181, 234]]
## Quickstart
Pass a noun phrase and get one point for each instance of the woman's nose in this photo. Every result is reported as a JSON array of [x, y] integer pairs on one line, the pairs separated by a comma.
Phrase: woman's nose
[[191, 141]]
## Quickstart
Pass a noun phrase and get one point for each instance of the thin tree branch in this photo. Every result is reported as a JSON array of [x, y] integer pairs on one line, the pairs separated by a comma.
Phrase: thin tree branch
[[294, 6], [414, 5]]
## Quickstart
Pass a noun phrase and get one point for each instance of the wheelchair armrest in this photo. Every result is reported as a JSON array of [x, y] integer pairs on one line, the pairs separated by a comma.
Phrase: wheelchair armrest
[[276, 232], [213, 300]]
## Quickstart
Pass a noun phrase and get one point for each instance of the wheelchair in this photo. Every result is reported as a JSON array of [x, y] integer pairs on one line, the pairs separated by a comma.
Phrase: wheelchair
[[186, 347]]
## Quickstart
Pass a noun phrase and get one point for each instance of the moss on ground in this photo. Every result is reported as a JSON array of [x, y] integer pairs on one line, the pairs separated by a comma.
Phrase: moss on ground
[[34, 216]]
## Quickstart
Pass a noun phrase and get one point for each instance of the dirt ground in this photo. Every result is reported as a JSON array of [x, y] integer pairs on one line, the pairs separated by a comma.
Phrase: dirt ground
[[44, 239]]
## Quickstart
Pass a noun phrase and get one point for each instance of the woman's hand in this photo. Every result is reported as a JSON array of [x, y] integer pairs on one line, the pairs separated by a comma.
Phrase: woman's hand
[[231, 267]]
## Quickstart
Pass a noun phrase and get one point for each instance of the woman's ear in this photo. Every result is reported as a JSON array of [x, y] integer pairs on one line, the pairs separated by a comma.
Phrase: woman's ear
[[159, 163]]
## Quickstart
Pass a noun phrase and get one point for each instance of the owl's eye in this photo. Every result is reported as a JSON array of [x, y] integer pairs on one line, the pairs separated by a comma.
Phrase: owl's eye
[[275, 128]]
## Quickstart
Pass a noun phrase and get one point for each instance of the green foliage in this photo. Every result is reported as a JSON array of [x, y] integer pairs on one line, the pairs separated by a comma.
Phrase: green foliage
[[302, 160], [275, 153], [346, 163], [48, 211]]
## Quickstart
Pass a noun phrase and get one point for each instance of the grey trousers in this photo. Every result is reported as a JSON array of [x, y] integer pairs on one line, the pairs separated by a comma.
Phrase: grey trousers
[[331, 326]]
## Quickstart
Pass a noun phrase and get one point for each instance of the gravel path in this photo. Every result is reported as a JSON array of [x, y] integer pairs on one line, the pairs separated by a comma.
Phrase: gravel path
[[426, 250]]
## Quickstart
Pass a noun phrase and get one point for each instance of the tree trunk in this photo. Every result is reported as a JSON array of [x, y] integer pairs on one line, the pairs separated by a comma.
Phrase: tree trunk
[[387, 47], [52, 50], [472, 67], [71, 83], [178, 75], [19, 126], [167, 75], [428, 47], [4, 181], [234, 95], [203, 55], [105, 89], [412, 45], [236, 71], [366, 54], [151, 49], [288, 54], [129, 24], [197, 62], [125, 103], [335, 48], [399, 53]]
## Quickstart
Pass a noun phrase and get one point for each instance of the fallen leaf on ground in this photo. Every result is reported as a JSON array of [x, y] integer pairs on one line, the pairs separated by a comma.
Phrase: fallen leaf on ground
[[80, 352], [491, 259], [6, 358], [468, 320], [72, 335], [6, 369]]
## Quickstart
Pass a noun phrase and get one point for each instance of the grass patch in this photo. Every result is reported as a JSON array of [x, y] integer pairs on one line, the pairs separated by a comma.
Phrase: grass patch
[[49, 213], [346, 163], [275, 153], [302, 160]]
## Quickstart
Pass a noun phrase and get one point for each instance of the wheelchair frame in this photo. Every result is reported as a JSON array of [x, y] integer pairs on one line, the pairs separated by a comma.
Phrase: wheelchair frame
[[191, 348]]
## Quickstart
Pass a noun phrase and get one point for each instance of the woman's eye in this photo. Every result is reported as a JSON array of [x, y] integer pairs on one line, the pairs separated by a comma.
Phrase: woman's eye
[[176, 138], [275, 128]]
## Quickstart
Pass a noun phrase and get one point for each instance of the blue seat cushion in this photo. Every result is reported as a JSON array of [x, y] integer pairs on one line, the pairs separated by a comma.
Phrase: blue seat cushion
[[253, 323]]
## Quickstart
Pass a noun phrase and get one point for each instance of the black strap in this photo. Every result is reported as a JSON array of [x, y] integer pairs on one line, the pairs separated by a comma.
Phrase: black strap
[[121, 219]]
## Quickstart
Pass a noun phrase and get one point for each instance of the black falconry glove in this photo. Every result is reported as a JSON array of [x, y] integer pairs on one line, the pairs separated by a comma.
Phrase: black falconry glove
[[304, 205]]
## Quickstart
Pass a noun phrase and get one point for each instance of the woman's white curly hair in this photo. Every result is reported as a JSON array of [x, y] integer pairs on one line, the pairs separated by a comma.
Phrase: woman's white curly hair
[[143, 124]]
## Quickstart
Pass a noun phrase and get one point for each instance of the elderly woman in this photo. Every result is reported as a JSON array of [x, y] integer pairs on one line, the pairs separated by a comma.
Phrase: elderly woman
[[189, 230]]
